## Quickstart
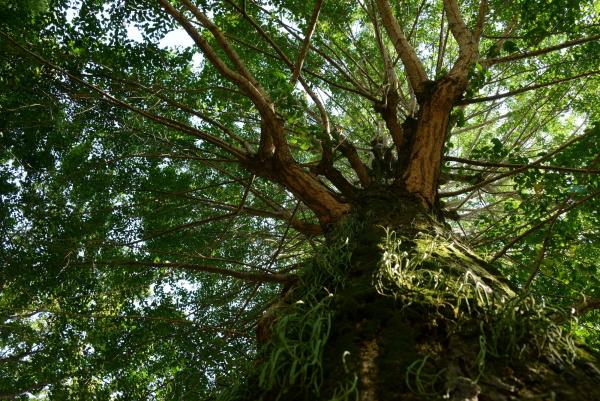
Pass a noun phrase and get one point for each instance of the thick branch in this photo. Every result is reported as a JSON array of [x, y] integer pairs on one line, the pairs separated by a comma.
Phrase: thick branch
[[423, 170], [349, 151], [283, 57], [442, 41], [305, 45], [206, 48], [346, 148], [461, 33], [412, 64], [388, 108], [272, 139], [218, 35], [467, 43]]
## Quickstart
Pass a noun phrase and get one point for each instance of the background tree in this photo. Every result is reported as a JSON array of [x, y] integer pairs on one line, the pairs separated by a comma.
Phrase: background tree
[[298, 197]]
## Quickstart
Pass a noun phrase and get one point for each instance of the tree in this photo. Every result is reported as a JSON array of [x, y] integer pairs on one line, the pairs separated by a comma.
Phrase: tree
[[335, 200]]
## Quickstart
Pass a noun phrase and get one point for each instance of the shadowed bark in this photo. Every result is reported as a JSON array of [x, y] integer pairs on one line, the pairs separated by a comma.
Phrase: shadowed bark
[[417, 316]]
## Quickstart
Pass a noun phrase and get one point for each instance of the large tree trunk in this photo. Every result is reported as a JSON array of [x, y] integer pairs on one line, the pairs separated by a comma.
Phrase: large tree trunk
[[396, 309]]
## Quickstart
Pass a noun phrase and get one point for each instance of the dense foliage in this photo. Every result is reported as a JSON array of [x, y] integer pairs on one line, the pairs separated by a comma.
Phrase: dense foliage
[[139, 244]]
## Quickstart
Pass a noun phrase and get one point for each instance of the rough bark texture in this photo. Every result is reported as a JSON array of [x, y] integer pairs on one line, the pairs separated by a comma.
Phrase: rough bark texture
[[409, 338], [421, 175]]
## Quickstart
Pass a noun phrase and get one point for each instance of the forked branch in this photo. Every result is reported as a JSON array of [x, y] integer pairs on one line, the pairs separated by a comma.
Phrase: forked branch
[[306, 43], [412, 64], [467, 42]]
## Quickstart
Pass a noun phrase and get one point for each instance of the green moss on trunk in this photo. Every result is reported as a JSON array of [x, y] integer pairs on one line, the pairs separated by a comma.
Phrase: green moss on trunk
[[396, 309]]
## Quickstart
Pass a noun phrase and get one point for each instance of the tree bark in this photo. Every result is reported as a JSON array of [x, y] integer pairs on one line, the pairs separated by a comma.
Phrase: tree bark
[[412, 315]]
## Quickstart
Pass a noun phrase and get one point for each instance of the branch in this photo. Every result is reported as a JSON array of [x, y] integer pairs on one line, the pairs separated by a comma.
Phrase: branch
[[524, 89], [519, 56], [536, 227], [416, 20], [246, 276], [369, 77], [282, 240], [349, 151], [467, 43], [222, 41], [305, 45], [273, 160], [586, 306], [238, 153], [248, 85], [204, 46], [518, 170], [358, 88], [237, 210], [180, 228], [326, 168], [208, 119], [541, 254], [346, 148], [480, 20], [308, 229], [505, 35], [388, 108], [461, 33], [442, 41], [412, 64], [289, 63], [521, 166]]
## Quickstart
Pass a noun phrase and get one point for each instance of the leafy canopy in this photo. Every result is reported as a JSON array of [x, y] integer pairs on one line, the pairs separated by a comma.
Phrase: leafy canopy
[[138, 248]]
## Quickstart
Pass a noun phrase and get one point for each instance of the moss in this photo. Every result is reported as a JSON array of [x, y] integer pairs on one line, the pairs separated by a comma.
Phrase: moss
[[440, 321]]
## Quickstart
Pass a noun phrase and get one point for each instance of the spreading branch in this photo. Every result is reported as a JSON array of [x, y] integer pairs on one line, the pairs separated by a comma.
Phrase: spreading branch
[[245, 276], [306, 43], [467, 42], [105, 96], [522, 166], [542, 223], [525, 89], [520, 56], [412, 64], [533, 164], [240, 79]]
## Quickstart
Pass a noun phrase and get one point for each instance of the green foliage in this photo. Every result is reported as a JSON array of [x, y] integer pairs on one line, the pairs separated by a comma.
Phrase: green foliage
[[108, 215]]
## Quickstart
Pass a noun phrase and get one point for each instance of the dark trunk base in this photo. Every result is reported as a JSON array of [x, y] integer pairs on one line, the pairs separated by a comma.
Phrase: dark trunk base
[[413, 316]]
